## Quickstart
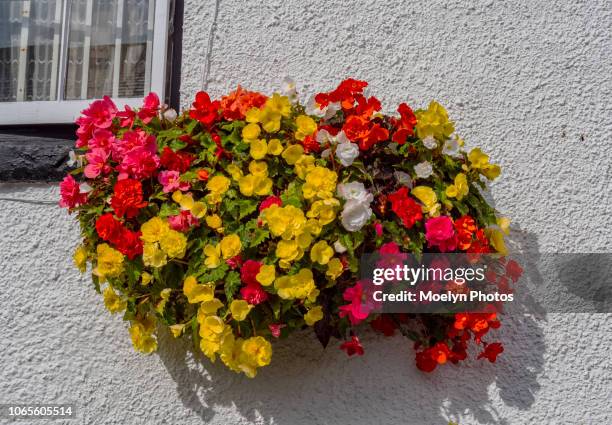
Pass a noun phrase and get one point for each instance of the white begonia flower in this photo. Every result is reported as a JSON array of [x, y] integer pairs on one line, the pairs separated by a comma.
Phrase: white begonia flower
[[347, 153], [403, 178], [74, 159], [312, 108], [355, 215], [451, 147], [170, 114], [288, 88], [339, 248], [423, 169], [430, 142], [324, 137], [354, 191], [84, 187]]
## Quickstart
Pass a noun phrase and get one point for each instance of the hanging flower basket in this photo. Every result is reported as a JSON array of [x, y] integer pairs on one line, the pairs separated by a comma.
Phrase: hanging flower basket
[[243, 219]]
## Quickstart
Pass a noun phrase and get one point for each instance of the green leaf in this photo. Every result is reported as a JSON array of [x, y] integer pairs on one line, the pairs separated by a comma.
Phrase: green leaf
[[189, 176], [168, 209], [259, 236], [232, 283], [212, 275]]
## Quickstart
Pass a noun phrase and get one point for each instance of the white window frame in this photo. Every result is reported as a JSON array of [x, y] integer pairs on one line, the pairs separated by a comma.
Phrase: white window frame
[[62, 111]]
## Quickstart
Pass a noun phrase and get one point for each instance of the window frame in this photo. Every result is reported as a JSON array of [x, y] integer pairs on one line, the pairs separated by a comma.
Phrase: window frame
[[62, 111]]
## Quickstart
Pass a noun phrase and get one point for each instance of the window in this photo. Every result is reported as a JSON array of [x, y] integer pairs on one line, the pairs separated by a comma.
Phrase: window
[[57, 55]]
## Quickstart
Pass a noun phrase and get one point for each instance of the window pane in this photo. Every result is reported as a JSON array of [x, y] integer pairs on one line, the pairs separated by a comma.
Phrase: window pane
[[109, 48], [29, 49]]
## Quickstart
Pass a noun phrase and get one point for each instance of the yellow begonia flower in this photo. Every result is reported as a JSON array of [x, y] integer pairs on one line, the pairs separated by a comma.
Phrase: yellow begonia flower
[[334, 268], [234, 171], [298, 286], [285, 222], [275, 147], [480, 161], [254, 353], [258, 149], [288, 250], [197, 293], [217, 337], [258, 168], [165, 296], [321, 253], [314, 227], [305, 127], [263, 186], [110, 262], [460, 189], [428, 198], [303, 239], [314, 315], [113, 302], [153, 256], [218, 184], [324, 210], [186, 202], [174, 244], [280, 104], [213, 256], [177, 329], [496, 238], [240, 309], [145, 278], [251, 132], [210, 307], [304, 165], [504, 224], [434, 122], [320, 182], [230, 246], [253, 115], [214, 221], [198, 210], [266, 275], [80, 258], [154, 229], [251, 184], [293, 153], [141, 332], [247, 184], [177, 195]]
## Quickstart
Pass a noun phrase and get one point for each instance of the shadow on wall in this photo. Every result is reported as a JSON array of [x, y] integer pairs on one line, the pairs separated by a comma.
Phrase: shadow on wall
[[307, 384]]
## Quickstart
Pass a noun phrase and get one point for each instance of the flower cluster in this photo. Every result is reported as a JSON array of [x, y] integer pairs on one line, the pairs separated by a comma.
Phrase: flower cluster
[[243, 219]]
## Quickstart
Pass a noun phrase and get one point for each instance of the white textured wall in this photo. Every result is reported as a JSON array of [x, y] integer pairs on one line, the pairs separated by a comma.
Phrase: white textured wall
[[529, 81]]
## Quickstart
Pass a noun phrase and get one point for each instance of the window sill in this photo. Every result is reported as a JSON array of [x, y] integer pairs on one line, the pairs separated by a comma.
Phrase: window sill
[[35, 154]]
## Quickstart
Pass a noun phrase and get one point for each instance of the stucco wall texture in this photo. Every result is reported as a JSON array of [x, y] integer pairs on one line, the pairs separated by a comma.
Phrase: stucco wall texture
[[529, 81]]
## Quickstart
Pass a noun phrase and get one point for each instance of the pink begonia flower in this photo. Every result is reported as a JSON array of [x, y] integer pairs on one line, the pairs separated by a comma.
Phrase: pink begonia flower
[[359, 309], [126, 117], [100, 114], [149, 109], [132, 140], [269, 201], [378, 228], [70, 193], [253, 294], [96, 163], [171, 181], [183, 221], [275, 329], [138, 163], [390, 256], [102, 138], [440, 232]]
